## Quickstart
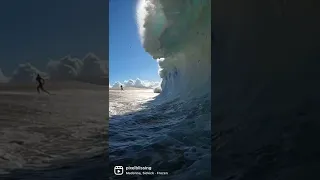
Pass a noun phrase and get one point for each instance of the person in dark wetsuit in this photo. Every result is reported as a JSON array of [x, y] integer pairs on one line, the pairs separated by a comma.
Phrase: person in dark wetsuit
[[40, 80], [121, 88]]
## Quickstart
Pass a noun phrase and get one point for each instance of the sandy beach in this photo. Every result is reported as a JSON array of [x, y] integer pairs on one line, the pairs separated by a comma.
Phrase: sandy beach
[[40, 130]]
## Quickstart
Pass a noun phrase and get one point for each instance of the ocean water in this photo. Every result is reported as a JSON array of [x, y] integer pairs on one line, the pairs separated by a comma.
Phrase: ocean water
[[170, 131], [47, 137]]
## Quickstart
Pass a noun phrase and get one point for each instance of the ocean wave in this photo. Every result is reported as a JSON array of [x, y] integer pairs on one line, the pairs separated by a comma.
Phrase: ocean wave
[[170, 131], [171, 136], [178, 35]]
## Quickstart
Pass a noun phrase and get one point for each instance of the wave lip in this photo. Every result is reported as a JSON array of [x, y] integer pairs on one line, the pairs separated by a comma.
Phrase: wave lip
[[178, 34]]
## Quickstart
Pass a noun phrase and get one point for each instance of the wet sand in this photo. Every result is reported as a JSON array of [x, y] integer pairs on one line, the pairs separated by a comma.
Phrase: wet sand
[[52, 131]]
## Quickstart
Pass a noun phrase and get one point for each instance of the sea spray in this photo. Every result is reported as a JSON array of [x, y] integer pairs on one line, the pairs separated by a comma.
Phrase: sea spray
[[178, 35]]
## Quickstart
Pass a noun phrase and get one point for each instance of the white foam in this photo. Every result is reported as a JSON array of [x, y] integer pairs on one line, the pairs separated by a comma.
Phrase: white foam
[[178, 34]]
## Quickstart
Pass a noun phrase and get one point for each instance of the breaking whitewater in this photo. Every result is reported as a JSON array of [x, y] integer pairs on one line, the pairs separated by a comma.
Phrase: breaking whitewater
[[170, 132]]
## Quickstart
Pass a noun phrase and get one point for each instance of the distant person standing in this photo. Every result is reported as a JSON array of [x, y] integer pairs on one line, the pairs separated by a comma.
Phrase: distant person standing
[[121, 87], [41, 82]]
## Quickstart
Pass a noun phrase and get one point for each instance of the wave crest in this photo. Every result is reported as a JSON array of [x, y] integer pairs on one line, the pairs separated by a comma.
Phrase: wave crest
[[178, 34]]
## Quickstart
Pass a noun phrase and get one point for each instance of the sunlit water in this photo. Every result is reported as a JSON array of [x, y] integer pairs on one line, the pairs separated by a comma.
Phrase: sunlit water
[[170, 136]]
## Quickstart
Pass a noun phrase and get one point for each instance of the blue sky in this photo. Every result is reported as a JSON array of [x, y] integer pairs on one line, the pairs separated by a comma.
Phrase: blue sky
[[36, 30], [127, 58]]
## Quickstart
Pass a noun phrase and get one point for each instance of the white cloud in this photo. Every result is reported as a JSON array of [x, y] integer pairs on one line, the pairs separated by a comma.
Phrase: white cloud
[[93, 66], [89, 69], [116, 85], [64, 69], [138, 83], [26, 73], [3, 78]]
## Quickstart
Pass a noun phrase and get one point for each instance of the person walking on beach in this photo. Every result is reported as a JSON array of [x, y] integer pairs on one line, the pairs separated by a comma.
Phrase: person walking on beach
[[121, 88], [41, 82]]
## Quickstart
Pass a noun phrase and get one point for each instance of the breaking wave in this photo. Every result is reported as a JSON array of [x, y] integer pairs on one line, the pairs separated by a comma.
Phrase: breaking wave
[[178, 35], [170, 131]]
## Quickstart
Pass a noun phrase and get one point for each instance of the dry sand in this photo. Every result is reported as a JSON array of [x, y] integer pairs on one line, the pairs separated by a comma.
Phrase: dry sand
[[39, 129]]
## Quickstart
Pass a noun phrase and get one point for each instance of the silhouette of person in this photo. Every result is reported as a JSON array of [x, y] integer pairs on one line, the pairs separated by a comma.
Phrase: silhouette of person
[[41, 82], [121, 87]]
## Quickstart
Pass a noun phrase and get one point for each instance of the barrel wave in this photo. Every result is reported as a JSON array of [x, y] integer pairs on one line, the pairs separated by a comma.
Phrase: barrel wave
[[169, 131], [178, 34]]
